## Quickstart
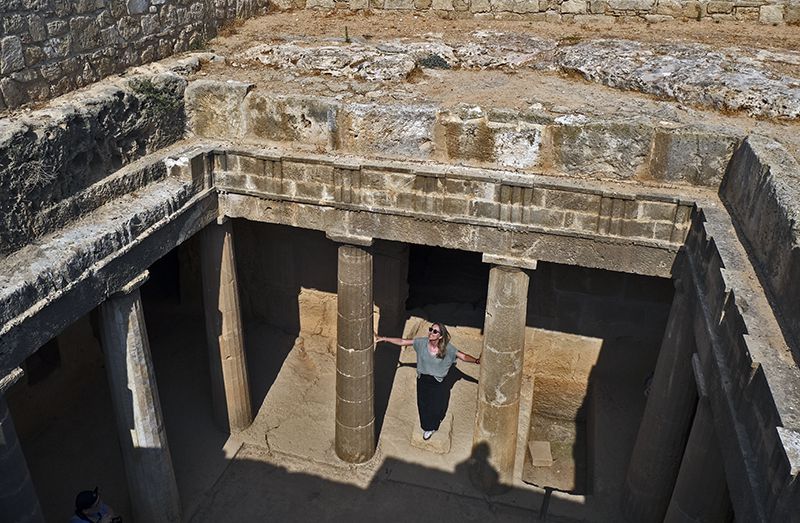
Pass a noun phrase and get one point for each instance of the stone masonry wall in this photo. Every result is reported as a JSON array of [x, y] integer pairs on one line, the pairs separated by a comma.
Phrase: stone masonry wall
[[59, 163], [772, 12], [762, 191], [50, 47], [751, 378]]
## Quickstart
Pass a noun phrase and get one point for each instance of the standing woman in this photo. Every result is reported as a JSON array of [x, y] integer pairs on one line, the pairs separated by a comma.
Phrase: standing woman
[[435, 356]]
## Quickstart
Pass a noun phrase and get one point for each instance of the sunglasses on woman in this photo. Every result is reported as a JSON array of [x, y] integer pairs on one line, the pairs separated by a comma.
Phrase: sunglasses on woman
[[435, 331]]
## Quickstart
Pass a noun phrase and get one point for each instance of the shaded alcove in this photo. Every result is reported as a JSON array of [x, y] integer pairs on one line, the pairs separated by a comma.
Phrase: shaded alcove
[[595, 336]]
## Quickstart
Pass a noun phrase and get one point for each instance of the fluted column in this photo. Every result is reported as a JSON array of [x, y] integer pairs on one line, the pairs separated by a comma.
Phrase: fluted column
[[18, 500], [500, 378], [355, 411], [134, 394], [701, 490], [230, 385], [666, 420]]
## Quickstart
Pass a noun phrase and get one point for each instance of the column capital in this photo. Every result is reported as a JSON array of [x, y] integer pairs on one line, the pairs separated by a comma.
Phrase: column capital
[[508, 261], [132, 285], [349, 239]]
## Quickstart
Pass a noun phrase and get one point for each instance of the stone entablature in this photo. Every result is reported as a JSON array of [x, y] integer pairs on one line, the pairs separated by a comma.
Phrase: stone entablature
[[457, 194], [48, 48], [769, 12], [571, 145]]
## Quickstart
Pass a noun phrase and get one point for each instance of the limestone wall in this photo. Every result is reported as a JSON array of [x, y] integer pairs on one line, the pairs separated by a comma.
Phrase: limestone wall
[[762, 190], [59, 163], [757, 11], [749, 374], [565, 144], [50, 47]]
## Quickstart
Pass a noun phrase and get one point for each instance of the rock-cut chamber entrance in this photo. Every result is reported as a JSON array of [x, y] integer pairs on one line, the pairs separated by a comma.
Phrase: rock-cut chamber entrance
[[592, 338]]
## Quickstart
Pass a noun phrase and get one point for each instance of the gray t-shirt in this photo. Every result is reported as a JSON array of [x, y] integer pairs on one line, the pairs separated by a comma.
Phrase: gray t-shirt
[[429, 364]]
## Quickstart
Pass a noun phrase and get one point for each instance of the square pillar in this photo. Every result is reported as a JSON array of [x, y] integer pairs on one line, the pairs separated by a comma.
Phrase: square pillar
[[667, 417], [134, 394], [18, 500], [230, 384], [496, 425], [355, 394], [701, 491]]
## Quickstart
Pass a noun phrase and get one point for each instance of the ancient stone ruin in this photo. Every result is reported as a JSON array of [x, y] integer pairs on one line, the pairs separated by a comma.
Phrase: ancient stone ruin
[[210, 209]]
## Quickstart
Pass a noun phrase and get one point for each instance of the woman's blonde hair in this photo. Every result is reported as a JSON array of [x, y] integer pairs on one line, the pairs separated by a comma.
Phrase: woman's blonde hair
[[444, 340]]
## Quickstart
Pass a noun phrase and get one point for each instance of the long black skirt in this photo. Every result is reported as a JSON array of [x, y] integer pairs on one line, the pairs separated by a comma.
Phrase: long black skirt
[[431, 401]]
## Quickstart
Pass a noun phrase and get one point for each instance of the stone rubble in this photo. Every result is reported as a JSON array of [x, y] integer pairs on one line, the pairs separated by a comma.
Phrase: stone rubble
[[729, 80]]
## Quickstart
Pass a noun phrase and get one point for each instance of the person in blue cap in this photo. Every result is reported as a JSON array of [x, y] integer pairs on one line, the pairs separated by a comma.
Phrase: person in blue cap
[[89, 507]]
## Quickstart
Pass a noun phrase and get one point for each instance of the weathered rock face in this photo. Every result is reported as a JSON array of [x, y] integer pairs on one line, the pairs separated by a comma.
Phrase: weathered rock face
[[51, 164], [530, 140], [691, 73], [762, 190], [728, 80], [50, 48], [765, 12]]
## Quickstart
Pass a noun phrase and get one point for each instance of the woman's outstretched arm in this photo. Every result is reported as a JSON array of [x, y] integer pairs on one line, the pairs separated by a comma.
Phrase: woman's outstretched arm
[[400, 342], [463, 356]]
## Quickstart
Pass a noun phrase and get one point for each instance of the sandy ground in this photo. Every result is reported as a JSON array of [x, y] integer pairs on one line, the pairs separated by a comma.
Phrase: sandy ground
[[237, 36], [502, 89]]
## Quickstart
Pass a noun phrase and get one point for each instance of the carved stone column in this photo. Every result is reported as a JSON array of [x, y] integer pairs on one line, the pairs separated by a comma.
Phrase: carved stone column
[[18, 500], [701, 491], [496, 430], [355, 397], [134, 394], [666, 420], [230, 384]]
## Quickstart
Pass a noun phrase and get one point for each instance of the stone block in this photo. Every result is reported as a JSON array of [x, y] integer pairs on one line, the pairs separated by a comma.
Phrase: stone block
[[662, 211], [631, 5], [399, 4], [515, 6], [11, 56], [771, 14], [36, 28], [359, 4], [12, 92], [573, 201], [617, 149], [309, 120], [137, 7], [517, 146], [422, 5], [57, 27], [393, 130], [57, 47], [215, 108], [792, 16], [480, 6], [669, 8], [573, 7], [442, 5], [692, 10], [716, 7], [692, 157], [440, 441]]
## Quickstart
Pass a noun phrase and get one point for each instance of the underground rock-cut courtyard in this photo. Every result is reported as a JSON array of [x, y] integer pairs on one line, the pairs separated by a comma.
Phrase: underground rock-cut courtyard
[[199, 251]]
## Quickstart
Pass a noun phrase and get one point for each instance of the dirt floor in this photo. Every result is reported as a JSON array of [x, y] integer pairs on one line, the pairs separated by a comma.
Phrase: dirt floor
[[240, 35], [504, 88]]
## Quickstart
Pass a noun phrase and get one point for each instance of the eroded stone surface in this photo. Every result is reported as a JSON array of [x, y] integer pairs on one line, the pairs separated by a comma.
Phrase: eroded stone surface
[[729, 79]]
